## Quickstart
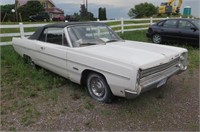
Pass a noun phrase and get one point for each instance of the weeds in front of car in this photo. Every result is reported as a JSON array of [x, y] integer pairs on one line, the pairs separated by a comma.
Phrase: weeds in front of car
[[193, 58], [89, 105], [21, 84]]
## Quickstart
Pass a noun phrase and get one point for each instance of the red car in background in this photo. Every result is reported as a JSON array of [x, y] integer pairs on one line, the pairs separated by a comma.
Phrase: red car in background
[[59, 18]]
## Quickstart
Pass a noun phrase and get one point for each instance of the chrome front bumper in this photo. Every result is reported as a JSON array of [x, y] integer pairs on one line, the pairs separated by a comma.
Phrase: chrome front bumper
[[152, 82]]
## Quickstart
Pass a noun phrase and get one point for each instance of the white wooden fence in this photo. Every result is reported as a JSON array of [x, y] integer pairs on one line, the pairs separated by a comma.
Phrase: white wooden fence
[[121, 25], [21, 26]]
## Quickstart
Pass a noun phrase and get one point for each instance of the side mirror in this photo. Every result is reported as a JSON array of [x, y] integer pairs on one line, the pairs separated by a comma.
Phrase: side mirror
[[193, 28]]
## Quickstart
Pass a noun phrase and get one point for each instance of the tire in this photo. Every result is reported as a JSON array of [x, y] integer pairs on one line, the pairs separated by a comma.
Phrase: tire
[[98, 88], [157, 38], [28, 61]]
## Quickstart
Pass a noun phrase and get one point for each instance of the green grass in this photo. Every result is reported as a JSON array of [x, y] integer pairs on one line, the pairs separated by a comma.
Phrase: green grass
[[193, 58], [89, 105], [135, 36], [22, 84], [14, 62], [128, 22], [106, 112]]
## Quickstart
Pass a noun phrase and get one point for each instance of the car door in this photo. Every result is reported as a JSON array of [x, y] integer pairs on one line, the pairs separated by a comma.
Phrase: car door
[[187, 31], [52, 51], [169, 29]]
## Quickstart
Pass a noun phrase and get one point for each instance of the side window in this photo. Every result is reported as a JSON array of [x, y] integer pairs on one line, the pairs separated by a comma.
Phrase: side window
[[185, 25], [54, 35], [170, 24], [43, 35], [160, 23]]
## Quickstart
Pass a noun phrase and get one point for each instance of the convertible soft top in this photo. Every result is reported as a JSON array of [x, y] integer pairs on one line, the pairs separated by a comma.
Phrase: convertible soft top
[[37, 33]]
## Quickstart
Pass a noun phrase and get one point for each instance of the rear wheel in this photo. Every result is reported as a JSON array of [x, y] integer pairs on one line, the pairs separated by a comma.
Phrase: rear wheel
[[156, 38], [28, 61], [98, 88]]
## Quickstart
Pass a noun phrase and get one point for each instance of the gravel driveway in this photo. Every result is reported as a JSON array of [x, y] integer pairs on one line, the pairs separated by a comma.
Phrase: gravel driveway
[[173, 107]]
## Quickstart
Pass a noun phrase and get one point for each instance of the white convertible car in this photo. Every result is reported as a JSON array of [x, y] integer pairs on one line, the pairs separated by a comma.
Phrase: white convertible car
[[91, 54]]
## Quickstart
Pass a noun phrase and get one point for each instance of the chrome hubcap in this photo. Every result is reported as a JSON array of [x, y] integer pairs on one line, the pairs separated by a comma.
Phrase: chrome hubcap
[[156, 38], [97, 87]]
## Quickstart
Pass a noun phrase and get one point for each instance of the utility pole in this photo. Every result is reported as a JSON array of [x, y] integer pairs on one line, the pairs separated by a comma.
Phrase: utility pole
[[86, 5], [16, 12]]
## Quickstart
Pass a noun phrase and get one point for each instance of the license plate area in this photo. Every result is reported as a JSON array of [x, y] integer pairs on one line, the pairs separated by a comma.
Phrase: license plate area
[[162, 82]]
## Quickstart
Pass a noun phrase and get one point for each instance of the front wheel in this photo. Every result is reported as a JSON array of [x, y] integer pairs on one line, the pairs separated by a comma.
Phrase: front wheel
[[98, 88], [156, 38]]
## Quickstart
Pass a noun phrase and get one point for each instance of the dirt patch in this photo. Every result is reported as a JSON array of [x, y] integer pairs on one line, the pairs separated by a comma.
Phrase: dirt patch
[[173, 107]]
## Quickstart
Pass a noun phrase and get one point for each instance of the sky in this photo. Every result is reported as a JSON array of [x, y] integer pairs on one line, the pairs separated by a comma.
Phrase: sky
[[115, 8]]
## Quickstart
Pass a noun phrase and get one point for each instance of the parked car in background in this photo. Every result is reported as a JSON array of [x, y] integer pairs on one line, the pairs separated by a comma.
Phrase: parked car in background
[[180, 30], [71, 18], [40, 17], [59, 18], [93, 55]]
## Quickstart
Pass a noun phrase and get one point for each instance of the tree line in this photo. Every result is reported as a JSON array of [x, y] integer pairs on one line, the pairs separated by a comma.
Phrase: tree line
[[34, 7]]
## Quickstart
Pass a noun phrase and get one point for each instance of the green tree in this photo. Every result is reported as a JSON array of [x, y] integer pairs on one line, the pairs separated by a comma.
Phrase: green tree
[[143, 10], [85, 15], [102, 14], [6, 13], [31, 8]]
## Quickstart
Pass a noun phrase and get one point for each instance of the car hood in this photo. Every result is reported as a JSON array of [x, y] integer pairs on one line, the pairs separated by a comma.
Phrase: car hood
[[143, 55]]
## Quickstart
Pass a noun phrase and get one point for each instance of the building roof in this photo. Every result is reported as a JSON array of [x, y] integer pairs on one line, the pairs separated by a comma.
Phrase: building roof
[[54, 10], [23, 2], [51, 1]]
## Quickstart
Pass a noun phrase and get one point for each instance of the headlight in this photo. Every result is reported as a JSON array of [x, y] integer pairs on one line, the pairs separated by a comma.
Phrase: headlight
[[183, 61], [138, 76], [182, 58], [137, 84], [181, 66]]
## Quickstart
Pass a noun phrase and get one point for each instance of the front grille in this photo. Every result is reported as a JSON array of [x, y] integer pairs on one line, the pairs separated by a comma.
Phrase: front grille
[[160, 68]]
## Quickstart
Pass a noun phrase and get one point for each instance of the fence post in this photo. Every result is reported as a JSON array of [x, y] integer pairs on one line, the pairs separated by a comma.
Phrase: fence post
[[122, 25], [21, 27], [151, 20]]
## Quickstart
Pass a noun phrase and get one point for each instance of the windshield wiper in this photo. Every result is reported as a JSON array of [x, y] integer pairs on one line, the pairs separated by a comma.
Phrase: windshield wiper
[[87, 44], [112, 40]]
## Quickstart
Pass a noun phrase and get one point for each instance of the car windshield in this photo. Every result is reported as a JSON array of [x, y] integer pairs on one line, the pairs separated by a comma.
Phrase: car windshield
[[197, 23], [85, 35]]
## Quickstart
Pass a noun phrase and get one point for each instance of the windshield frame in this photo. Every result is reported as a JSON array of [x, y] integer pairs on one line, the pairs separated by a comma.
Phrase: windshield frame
[[196, 22], [110, 31]]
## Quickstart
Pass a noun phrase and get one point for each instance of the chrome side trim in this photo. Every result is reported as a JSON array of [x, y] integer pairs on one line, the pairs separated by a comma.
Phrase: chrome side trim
[[130, 94]]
